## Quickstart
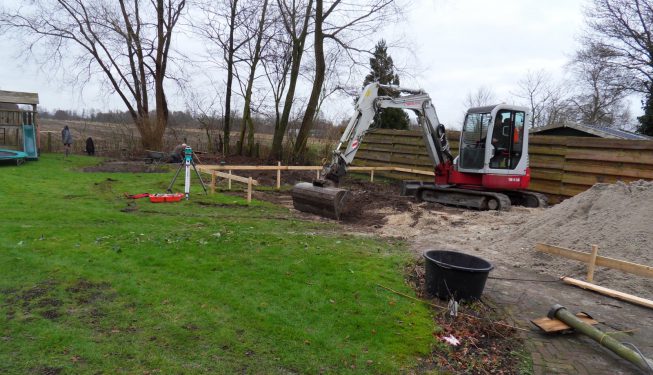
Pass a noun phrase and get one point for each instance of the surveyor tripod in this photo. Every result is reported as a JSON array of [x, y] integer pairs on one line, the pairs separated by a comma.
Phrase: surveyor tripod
[[187, 163]]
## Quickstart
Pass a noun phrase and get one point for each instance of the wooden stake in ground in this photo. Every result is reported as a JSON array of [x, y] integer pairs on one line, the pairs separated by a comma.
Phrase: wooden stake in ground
[[249, 190], [213, 182], [279, 176], [591, 263], [229, 180]]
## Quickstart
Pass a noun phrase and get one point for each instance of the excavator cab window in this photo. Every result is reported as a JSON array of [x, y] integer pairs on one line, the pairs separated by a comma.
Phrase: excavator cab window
[[472, 150], [507, 139]]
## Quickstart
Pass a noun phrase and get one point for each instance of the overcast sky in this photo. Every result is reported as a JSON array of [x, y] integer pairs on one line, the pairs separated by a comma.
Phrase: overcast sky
[[452, 48]]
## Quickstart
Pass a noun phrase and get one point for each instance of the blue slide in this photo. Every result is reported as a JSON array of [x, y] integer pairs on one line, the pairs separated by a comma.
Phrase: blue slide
[[29, 142]]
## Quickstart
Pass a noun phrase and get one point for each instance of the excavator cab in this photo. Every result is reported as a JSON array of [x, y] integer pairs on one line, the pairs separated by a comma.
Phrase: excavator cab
[[494, 141]]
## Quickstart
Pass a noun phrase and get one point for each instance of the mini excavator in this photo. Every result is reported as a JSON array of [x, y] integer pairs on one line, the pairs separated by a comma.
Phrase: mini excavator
[[490, 172]]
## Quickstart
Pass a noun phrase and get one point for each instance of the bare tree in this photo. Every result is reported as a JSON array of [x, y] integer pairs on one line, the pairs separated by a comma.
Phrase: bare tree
[[126, 42], [343, 24], [482, 96], [253, 57], [277, 63], [536, 88], [557, 108], [224, 28], [625, 29], [600, 89], [295, 18], [208, 113]]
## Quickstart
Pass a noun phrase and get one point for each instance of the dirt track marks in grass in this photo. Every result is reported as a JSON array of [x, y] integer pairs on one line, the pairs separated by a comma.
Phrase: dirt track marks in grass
[[50, 299]]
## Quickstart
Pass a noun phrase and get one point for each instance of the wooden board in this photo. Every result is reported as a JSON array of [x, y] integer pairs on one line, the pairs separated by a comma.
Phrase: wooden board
[[228, 176], [19, 97], [622, 265], [609, 292], [555, 325]]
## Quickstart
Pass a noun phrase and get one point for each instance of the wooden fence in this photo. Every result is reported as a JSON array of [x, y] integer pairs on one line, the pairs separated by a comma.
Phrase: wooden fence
[[561, 167]]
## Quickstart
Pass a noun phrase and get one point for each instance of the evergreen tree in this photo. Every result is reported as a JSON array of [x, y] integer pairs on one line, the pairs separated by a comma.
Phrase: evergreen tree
[[646, 121], [382, 71]]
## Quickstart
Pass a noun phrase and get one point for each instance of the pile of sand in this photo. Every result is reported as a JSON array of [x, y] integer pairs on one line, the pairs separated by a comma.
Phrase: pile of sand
[[616, 217]]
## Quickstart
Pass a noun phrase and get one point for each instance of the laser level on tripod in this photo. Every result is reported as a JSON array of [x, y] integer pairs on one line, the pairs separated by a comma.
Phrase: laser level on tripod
[[187, 163]]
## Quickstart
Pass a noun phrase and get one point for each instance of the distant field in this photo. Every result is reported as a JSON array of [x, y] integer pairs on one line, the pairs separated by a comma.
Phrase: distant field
[[119, 136]]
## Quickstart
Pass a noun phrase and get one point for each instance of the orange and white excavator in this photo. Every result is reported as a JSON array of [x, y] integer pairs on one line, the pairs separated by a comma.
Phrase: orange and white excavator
[[490, 173]]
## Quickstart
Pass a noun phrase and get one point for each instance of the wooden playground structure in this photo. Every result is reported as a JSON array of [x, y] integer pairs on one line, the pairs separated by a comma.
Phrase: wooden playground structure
[[19, 130]]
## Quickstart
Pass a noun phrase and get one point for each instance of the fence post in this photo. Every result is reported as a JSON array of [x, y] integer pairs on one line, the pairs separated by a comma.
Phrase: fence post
[[249, 189], [279, 175], [213, 178], [229, 181], [592, 262]]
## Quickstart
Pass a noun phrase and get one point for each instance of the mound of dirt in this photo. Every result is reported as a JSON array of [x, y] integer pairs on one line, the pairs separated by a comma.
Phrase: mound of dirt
[[616, 217], [370, 202]]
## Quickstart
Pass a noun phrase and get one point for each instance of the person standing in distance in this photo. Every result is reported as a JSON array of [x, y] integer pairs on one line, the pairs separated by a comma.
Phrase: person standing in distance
[[67, 139]]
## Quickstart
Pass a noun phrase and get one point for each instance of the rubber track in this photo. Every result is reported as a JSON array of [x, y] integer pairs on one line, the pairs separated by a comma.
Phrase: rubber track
[[542, 199], [504, 201]]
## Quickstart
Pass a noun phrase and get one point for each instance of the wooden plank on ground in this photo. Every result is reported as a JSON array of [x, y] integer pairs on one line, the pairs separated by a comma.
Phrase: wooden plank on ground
[[609, 292], [555, 325], [601, 261]]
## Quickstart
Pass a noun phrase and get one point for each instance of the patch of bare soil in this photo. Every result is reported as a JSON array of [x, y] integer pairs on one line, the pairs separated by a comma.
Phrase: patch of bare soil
[[370, 202], [52, 300], [113, 166]]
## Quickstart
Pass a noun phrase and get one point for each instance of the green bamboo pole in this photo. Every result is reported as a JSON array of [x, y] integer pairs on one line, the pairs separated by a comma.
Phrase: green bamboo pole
[[561, 313]]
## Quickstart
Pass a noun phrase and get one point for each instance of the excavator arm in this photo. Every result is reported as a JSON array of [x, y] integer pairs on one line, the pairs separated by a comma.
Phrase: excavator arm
[[367, 106]]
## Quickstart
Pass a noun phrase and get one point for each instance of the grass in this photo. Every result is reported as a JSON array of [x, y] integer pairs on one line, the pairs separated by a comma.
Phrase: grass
[[210, 285]]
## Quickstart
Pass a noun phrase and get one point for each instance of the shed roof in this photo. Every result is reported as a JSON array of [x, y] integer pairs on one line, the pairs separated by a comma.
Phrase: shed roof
[[19, 97], [595, 130]]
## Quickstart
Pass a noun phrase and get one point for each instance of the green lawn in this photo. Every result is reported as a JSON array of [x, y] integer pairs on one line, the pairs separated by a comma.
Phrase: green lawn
[[209, 285]]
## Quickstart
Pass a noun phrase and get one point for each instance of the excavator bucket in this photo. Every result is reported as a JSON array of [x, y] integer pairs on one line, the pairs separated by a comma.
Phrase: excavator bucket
[[324, 201]]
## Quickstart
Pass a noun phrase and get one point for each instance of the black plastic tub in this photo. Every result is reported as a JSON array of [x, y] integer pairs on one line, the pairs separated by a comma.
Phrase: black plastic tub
[[453, 274]]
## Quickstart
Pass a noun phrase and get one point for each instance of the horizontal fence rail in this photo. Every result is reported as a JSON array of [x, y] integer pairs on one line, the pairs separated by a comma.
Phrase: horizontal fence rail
[[561, 166]]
